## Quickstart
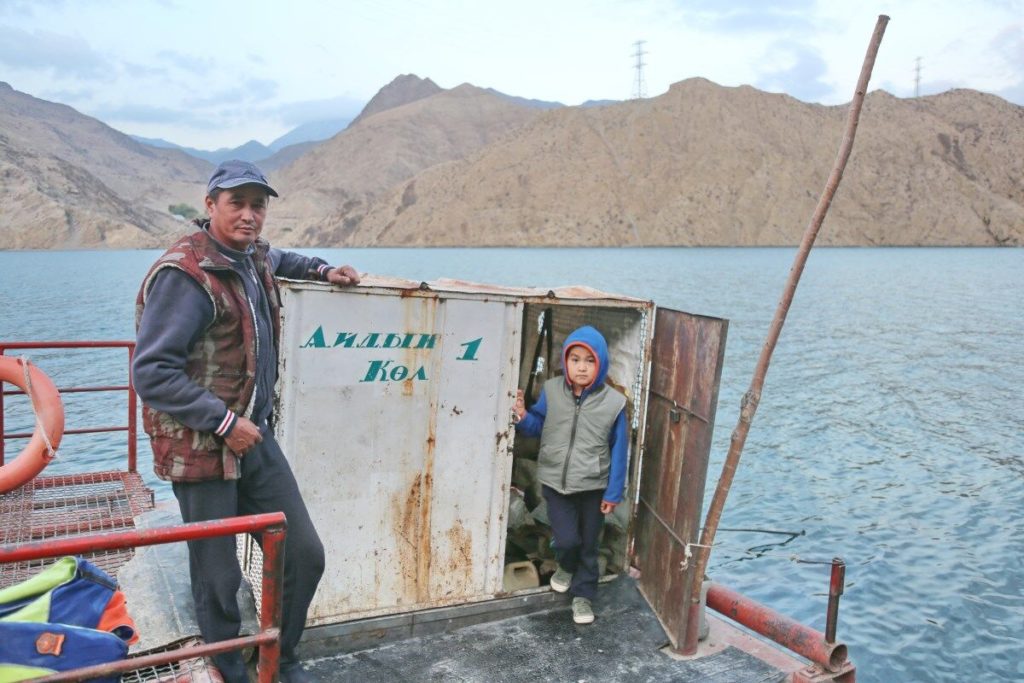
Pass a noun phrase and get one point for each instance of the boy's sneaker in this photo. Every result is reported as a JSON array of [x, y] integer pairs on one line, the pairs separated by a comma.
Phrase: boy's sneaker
[[560, 580], [582, 612]]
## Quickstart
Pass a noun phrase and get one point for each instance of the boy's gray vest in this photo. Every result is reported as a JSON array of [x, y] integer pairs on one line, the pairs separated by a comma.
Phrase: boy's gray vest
[[574, 451]]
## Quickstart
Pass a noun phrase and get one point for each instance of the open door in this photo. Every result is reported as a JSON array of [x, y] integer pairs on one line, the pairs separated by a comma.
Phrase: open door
[[686, 365]]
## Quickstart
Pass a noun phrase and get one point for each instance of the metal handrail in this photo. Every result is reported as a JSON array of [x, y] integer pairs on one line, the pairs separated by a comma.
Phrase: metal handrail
[[273, 527], [131, 427]]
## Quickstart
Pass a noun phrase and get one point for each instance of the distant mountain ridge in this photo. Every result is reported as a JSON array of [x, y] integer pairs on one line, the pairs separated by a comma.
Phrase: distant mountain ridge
[[700, 165], [254, 151]]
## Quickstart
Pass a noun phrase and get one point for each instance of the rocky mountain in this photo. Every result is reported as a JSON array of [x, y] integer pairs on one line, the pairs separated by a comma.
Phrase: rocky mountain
[[700, 165], [325, 192], [67, 180], [402, 90], [708, 165]]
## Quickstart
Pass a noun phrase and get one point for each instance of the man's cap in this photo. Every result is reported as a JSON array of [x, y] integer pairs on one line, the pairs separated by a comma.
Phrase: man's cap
[[236, 172]]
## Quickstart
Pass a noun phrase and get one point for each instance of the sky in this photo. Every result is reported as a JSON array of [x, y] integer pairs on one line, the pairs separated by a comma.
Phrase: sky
[[217, 74]]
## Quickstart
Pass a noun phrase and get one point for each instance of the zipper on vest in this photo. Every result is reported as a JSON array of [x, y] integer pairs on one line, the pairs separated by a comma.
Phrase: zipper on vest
[[572, 440]]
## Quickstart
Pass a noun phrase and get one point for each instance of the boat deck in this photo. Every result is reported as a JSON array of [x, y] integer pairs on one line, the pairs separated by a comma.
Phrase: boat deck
[[71, 505], [625, 643]]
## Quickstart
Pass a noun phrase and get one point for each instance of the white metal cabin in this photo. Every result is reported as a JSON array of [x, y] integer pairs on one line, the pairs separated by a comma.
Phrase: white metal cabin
[[394, 409]]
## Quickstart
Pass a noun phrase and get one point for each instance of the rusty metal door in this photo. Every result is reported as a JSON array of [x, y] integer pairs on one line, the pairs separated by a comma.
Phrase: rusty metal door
[[686, 365], [395, 416]]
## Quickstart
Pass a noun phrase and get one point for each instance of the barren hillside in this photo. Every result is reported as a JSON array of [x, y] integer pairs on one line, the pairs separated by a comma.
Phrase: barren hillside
[[67, 180], [707, 165], [325, 193], [699, 165]]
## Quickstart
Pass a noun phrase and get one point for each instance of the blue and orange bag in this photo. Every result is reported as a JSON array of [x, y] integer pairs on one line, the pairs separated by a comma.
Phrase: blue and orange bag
[[67, 616]]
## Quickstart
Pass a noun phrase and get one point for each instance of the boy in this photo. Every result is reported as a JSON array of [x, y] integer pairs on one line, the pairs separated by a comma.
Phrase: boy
[[582, 460]]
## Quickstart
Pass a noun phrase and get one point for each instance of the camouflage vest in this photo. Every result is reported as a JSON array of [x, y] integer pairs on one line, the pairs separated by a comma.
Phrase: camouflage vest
[[222, 361]]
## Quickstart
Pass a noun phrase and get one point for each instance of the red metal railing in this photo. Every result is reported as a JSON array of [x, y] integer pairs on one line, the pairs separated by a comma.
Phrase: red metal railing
[[273, 527], [821, 648], [131, 427]]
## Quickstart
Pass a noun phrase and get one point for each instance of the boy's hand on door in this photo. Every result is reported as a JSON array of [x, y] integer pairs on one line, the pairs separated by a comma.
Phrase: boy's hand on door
[[520, 407]]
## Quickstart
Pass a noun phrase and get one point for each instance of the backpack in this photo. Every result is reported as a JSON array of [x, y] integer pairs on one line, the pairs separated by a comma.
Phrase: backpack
[[67, 616]]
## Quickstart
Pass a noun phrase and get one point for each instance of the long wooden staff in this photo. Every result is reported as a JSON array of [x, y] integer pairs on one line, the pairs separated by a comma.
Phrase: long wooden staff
[[748, 405]]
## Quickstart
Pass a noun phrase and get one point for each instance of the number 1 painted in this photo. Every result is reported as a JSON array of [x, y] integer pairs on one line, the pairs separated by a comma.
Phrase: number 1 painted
[[471, 349]]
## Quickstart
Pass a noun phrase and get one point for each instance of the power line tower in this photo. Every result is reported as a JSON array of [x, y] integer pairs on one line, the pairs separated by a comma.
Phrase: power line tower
[[639, 86], [917, 78]]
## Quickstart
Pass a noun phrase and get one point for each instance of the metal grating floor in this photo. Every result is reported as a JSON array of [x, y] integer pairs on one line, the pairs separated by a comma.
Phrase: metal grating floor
[[194, 670], [71, 505]]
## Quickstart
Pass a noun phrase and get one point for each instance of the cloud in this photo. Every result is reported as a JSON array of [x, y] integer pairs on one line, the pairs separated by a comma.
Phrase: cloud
[[28, 8], [143, 113], [1009, 44], [65, 56], [200, 66], [144, 71], [66, 95], [801, 78], [248, 92]]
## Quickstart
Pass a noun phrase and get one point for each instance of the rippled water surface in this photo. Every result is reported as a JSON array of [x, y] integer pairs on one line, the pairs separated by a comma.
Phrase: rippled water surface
[[890, 430]]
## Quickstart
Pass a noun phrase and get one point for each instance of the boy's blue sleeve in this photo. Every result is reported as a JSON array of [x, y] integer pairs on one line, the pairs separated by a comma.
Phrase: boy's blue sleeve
[[617, 472], [533, 421]]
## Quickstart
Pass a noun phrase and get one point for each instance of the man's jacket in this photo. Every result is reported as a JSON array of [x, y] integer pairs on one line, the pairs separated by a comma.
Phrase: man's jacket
[[223, 361]]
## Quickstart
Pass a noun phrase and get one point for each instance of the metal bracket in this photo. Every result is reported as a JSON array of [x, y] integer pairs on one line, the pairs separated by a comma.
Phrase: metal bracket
[[815, 673]]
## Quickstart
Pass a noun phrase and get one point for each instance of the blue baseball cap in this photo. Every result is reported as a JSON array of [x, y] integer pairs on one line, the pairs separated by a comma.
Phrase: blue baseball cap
[[236, 172]]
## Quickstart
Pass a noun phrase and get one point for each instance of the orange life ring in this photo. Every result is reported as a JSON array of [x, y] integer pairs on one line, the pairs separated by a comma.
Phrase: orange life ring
[[49, 411]]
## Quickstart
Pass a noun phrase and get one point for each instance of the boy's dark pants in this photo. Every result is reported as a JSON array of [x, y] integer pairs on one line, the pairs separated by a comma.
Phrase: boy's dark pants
[[576, 521], [266, 485]]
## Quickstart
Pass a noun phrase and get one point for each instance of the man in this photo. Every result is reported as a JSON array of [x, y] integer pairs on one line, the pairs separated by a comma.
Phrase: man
[[205, 367]]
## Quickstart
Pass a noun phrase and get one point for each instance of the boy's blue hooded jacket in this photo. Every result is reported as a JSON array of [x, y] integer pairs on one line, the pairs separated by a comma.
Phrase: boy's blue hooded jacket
[[583, 441]]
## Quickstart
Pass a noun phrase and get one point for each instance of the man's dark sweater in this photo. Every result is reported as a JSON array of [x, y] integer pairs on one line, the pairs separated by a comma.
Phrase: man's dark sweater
[[177, 313]]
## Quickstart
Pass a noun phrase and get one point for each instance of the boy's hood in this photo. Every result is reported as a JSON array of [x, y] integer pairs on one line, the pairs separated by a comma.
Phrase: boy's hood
[[594, 340]]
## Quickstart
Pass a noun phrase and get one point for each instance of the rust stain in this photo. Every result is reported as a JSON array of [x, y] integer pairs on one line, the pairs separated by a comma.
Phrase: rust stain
[[425, 545], [420, 317], [460, 564], [405, 508]]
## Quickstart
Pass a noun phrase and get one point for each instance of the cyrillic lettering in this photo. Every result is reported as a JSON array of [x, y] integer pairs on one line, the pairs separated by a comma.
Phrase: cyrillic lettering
[[377, 371], [346, 339], [316, 340], [427, 341]]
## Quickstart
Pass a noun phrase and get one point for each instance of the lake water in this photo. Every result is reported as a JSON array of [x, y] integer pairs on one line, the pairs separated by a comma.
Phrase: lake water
[[890, 430]]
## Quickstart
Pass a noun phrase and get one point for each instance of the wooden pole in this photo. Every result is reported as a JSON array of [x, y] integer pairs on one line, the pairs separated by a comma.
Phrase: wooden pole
[[748, 405]]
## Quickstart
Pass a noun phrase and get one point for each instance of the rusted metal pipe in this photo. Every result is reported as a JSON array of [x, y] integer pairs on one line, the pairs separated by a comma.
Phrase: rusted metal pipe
[[272, 601], [117, 540], [262, 640], [791, 634], [131, 428], [83, 430], [836, 584], [272, 526]]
